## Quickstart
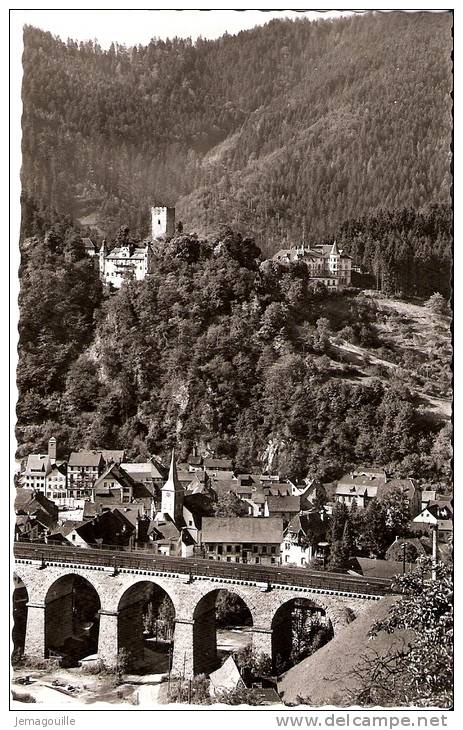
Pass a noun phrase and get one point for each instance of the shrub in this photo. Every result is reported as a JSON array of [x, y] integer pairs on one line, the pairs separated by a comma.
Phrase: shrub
[[23, 697]]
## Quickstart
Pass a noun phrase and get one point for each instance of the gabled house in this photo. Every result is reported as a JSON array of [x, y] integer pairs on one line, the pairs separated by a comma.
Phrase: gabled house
[[109, 527], [216, 465], [35, 515], [113, 456], [84, 468], [149, 472], [36, 503], [56, 483], [200, 484], [170, 539], [362, 486], [437, 515], [38, 468], [30, 528], [301, 538], [258, 506], [113, 486], [91, 248], [195, 461], [242, 539], [285, 507]]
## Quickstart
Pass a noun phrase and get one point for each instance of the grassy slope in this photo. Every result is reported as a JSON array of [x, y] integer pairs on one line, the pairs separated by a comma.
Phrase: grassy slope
[[328, 677], [403, 328]]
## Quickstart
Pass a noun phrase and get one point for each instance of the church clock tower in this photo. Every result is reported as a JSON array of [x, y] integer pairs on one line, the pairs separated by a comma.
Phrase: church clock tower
[[172, 495]]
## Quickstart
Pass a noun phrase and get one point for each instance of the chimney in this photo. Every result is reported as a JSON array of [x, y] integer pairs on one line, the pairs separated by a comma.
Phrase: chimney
[[52, 449]]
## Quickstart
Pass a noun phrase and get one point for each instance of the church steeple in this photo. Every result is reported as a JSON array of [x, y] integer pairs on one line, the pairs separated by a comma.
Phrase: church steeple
[[172, 494]]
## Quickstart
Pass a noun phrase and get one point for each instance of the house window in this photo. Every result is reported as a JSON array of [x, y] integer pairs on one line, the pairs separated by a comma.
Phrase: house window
[[229, 548], [210, 548], [255, 548], [237, 560], [228, 559], [257, 560], [237, 548], [264, 549], [273, 560], [219, 549], [273, 549]]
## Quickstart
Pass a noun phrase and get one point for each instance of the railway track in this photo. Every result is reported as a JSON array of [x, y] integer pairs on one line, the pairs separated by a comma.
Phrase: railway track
[[200, 567]]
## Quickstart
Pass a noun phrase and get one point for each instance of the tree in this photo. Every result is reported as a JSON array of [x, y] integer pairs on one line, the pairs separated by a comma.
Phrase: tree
[[252, 664], [166, 617], [375, 536], [397, 508], [240, 696], [195, 691], [437, 304], [339, 518], [231, 609], [229, 505], [420, 672]]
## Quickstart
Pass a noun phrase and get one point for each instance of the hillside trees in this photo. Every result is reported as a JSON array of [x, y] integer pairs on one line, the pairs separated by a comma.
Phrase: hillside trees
[[59, 296], [418, 672], [207, 349], [277, 129]]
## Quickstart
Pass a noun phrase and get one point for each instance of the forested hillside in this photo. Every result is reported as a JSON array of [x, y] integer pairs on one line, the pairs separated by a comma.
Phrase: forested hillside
[[336, 128], [221, 349], [290, 126]]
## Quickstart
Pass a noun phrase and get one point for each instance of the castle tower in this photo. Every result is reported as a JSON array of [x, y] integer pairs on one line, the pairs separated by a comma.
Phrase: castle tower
[[162, 222], [172, 494]]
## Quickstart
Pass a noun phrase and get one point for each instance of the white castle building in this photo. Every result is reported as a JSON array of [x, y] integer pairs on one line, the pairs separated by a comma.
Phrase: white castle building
[[137, 259], [326, 263]]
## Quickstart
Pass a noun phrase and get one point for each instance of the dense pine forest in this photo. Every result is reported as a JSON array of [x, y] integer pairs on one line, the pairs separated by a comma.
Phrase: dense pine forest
[[329, 129], [288, 127]]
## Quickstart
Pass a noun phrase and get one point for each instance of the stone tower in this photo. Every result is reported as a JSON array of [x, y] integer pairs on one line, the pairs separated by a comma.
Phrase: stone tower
[[162, 222], [172, 495]]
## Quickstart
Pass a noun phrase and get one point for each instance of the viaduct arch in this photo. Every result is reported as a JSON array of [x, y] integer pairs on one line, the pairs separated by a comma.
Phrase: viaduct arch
[[192, 599]]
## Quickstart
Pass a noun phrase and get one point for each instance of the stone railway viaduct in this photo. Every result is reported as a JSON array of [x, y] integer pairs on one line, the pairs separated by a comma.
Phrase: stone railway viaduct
[[120, 582]]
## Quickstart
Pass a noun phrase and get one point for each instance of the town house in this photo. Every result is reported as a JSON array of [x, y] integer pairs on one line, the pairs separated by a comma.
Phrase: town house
[[242, 539]]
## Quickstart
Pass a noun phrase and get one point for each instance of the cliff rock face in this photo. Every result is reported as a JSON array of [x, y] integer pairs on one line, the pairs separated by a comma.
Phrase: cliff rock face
[[269, 457]]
